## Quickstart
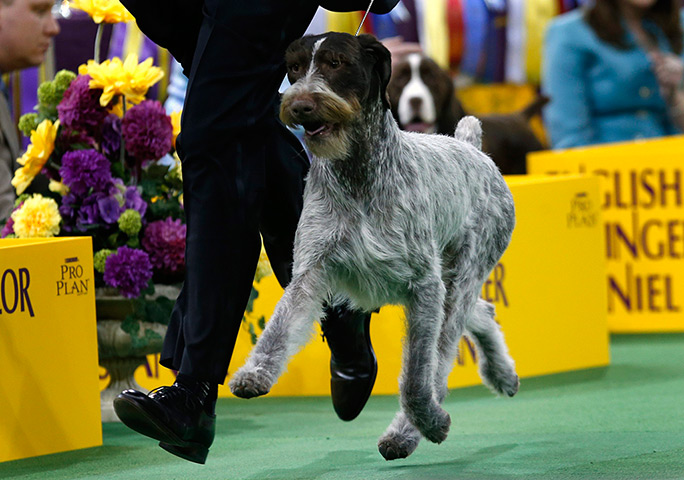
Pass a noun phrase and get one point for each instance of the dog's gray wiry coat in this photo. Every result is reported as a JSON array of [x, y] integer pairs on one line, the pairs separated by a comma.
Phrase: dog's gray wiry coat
[[391, 217]]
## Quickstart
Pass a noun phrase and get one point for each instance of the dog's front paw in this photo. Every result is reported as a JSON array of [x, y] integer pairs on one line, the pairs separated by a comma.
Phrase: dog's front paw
[[248, 383], [435, 427], [395, 445]]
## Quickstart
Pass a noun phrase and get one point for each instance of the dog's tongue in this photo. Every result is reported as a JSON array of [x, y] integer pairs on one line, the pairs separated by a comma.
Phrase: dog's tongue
[[418, 127], [316, 131]]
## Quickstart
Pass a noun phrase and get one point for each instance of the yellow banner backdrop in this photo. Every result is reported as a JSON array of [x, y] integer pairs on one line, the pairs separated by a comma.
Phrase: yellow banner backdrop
[[643, 214], [49, 395], [550, 305]]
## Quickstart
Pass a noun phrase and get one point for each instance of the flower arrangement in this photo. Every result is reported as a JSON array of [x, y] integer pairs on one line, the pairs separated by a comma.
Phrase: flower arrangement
[[102, 159], [109, 154], [101, 144]]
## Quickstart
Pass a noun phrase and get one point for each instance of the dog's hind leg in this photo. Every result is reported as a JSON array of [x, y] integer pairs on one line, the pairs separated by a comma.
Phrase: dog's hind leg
[[497, 368], [289, 328]]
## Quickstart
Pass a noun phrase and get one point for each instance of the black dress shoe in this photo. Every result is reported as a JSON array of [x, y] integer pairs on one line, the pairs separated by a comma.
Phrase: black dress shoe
[[175, 415], [353, 366]]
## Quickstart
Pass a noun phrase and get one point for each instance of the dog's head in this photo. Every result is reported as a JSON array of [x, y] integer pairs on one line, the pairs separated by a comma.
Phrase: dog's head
[[422, 96], [335, 77]]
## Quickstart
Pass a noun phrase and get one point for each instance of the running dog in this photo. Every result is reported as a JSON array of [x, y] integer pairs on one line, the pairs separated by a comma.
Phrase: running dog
[[389, 217]]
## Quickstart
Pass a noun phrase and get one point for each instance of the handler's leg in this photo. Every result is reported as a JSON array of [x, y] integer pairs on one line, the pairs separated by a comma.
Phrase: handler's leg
[[223, 174]]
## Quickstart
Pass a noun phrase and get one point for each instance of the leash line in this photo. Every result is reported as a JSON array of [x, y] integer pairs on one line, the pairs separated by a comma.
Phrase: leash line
[[364, 18]]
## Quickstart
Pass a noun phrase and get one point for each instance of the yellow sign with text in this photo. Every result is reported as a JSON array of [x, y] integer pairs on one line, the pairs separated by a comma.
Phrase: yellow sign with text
[[550, 305], [49, 395], [643, 220]]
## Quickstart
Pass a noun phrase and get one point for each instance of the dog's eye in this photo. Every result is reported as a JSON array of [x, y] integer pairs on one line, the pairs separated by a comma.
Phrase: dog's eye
[[293, 67], [335, 63]]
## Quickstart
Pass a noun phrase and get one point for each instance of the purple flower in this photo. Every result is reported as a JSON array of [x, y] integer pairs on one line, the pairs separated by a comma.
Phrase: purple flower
[[8, 228], [111, 135], [98, 208], [133, 200], [109, 208], [85, 169], [89, 212], [80, 107], [129, 270], [68, 211], [164, 241], [147, 130]]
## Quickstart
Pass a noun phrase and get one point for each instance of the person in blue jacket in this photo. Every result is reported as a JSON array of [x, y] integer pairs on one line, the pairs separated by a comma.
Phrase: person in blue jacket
[[613, 72], [243, 179]]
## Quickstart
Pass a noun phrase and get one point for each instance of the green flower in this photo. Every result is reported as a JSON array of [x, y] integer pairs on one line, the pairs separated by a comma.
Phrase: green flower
[[27, 123], [100, 258], [48, 94], [63, 79], [130, 222]]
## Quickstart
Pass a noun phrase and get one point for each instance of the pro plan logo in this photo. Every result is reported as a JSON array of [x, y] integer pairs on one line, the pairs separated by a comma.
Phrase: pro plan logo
[[14, 291], [583, 212], [71, 280]]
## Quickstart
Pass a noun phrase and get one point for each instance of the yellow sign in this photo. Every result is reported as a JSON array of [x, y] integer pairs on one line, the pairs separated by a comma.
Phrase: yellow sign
[[642, 201], [49, 396], [550, 305]]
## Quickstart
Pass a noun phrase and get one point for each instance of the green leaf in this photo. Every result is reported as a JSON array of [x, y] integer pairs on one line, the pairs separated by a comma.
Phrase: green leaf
[[252, 296]]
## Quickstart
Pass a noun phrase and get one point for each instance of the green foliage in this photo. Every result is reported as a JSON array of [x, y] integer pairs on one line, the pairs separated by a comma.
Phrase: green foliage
[[161, 190], [132, 327], [253, 295], [147, 310], [20, 199]]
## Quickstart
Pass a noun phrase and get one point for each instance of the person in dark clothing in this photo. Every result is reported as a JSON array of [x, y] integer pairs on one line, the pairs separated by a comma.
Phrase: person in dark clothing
[[243, 175]]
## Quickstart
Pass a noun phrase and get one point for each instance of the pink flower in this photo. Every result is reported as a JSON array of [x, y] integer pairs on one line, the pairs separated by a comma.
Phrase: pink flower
[[164, 241], [147, 131]]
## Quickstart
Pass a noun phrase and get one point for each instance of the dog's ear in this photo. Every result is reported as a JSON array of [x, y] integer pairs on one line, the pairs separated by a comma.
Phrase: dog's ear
[[383, 63]]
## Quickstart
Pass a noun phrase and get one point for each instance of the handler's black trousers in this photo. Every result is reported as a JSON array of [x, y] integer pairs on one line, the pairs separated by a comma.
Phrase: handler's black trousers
[[252, 184], [237, 182]]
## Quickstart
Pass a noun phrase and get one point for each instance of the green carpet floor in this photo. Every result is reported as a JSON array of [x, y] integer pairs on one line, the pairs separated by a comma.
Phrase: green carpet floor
[[621, 422]]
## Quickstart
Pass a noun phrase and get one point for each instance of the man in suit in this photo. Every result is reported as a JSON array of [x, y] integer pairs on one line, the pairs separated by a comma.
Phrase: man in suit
[[26, 30], [243, 175]]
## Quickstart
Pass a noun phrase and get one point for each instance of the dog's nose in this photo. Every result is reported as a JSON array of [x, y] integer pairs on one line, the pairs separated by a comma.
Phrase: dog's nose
[[416, 103], [302, 107]]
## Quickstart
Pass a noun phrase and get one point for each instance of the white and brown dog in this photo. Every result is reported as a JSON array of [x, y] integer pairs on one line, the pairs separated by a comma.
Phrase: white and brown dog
[[389, 217], [422, 98]]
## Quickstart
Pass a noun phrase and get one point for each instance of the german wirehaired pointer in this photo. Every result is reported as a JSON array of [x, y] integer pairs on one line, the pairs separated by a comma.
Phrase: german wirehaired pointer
[[390, 217]]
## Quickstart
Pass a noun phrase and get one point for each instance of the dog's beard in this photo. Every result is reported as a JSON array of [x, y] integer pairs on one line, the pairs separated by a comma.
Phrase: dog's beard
[[327, 130], [335, 145]]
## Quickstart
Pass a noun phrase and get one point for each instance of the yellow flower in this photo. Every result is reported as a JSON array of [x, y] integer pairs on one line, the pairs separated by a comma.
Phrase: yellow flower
[[37, 217], [175, 122], [130, 78], [37, 153], [107, 11], [58, 187], [117, 107]]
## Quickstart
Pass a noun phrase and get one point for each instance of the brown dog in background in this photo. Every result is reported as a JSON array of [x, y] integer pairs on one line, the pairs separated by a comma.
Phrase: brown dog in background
[[423, 99]]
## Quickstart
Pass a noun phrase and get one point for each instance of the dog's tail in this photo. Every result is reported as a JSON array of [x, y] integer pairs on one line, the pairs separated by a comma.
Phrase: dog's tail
[[469, 130], [535, 107]]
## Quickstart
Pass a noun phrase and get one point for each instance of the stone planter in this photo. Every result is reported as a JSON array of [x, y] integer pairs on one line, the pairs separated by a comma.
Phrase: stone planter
[[119, 353]]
